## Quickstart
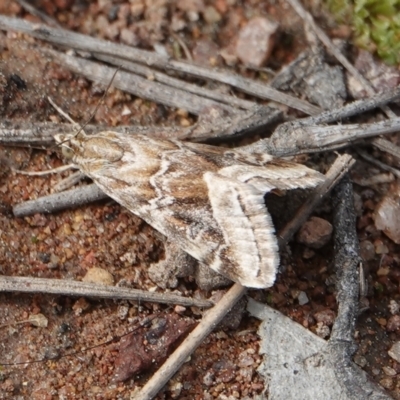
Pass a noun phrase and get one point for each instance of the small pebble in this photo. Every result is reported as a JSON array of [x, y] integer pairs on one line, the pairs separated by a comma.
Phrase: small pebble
[[322, 330], [179, 309], [387, 383], [367, 250], [122, 311], [244, 359], [389, 371], [394, 352], [360, 361], [208, 379], [393, 307], [98, 275], [387, 218], [39, 320], [325, 316], [211, 15], [302, 298], [380, 247], [176, 389], [315, 233], [393, 323], [255, 41]]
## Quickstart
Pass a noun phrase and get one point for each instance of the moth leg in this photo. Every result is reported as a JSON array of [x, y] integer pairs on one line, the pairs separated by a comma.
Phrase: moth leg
[[68, 182], [47, 172]]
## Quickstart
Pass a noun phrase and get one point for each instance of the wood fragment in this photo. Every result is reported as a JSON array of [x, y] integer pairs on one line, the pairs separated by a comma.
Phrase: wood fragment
[[309, 135], [387, 146], [343, 60], [303, 357], [34, 11], [341, 344], [294, 138], [65, 287], [377, 179], [323, 37], [86, 43], [178, 83], [41, 134], [138, 86], [354, 108], [192, 341], [59, 201], [337, 170], [300, 358], [380, 164], [346, 260]]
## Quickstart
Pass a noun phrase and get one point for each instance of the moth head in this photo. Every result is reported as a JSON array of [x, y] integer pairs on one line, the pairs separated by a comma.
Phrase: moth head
[[69, 144], [102, 148]]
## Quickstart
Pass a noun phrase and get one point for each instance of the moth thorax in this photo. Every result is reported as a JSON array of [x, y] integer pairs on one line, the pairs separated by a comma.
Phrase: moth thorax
[[102, 148]]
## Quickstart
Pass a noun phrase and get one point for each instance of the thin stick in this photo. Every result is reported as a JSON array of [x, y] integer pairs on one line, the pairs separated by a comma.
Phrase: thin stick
[[118, 51], [178, 83], [182, 44], [354, 108], [37, 13], [192, 341], [378, 163], [76, 288], [338, 169], [59, 201], [306, 16], [347, 261], [137, 85], [41, 134], [387, 146]]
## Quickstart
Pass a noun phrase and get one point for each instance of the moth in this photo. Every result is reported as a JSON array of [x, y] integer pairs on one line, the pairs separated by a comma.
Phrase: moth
[[209, 200]]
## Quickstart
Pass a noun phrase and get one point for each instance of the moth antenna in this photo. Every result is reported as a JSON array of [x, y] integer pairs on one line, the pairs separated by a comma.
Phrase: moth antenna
[[67, 117], [101, 100]]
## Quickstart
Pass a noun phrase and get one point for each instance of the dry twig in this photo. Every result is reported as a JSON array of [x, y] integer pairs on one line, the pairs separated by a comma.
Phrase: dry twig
[[117, 51], [307, 17], [75, 288]]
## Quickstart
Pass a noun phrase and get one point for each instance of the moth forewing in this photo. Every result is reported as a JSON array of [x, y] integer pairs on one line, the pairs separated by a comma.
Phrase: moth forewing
[[209, 200]]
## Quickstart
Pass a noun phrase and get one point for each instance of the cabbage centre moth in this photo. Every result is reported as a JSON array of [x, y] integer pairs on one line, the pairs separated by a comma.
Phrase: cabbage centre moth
[[209, 200]]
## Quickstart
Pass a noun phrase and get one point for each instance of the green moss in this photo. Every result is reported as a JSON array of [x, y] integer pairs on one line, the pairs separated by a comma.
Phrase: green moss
[[379, 287], [341, 9], [376, 25]]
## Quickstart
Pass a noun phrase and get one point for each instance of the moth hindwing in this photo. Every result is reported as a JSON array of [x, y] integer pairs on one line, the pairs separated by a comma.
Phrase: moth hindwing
[[209, 200]]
